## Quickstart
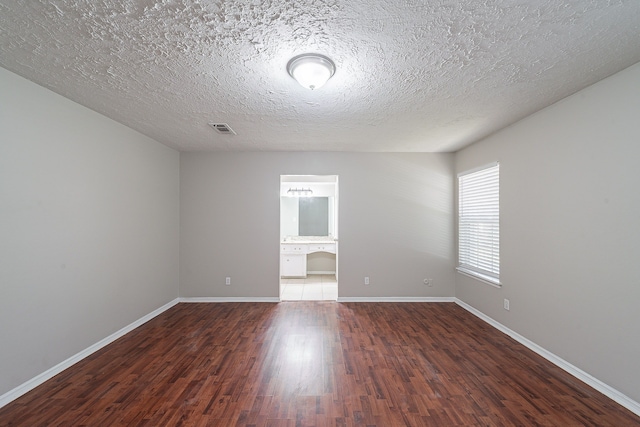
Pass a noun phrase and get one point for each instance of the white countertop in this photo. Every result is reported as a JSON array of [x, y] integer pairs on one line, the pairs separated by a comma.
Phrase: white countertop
[[308, 239]]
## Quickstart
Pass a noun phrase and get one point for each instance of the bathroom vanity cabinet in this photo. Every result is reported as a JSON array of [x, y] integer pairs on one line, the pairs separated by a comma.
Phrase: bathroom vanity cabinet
[[293, 255], [293, 260]]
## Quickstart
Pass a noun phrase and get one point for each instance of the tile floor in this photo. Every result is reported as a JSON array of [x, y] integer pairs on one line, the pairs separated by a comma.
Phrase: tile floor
[[313, 288]]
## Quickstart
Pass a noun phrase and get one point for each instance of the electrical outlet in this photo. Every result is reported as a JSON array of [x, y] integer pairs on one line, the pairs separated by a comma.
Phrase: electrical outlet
[[366, 280], [506, 304], [227, 281]]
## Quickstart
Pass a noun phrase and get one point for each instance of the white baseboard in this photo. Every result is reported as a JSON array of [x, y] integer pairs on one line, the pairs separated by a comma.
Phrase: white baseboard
[[321, 272], [395, 299], [603, 388], [29, 385], [230, 299]]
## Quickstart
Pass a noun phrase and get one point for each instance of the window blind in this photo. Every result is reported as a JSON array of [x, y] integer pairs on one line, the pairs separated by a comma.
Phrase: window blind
[[479, 223]]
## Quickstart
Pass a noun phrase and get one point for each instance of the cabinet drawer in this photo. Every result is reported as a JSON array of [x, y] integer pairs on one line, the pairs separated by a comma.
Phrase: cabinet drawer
[[293, 249], [323, 247]]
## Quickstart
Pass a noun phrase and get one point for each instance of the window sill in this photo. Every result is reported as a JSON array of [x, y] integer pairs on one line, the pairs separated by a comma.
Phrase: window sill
[[480, 277]]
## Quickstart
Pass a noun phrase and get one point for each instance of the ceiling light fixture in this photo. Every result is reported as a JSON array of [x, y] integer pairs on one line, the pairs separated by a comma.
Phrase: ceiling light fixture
[[311, 70], [300, 192]]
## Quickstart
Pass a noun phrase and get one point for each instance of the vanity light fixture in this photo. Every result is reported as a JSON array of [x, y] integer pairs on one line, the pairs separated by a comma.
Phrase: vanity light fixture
[[299, 192], [311, 70]]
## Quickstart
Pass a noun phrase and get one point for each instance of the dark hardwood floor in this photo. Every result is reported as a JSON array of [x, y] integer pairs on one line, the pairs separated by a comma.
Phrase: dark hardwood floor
[[315, 364]]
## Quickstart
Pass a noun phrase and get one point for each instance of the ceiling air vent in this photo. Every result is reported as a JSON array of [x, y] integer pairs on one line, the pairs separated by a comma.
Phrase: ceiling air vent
[[222, 128]]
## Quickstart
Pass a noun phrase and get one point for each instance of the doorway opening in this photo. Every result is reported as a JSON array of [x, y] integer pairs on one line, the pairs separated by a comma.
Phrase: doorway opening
[[308, 237]]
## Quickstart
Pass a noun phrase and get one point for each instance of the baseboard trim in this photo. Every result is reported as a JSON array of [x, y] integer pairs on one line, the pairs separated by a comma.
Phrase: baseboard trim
[[34, 382], [229, 299], [583, 376], [395, 299]]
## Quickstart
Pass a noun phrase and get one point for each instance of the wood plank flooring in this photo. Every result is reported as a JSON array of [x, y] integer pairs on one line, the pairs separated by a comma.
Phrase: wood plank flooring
[[315, 364]]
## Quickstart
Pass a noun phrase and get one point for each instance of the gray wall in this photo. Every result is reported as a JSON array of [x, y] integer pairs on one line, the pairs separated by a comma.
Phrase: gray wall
[[90, 227], [570, 229], [395, 221], [88, 231]]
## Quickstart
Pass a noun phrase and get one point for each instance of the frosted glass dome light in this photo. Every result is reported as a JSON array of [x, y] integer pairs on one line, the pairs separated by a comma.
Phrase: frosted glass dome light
[[311, 70]]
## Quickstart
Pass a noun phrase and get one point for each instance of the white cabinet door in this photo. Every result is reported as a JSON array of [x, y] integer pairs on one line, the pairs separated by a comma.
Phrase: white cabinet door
[[293, 265]]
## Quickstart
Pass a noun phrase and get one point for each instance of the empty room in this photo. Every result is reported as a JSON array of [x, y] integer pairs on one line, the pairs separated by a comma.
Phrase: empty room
[[319, 213]]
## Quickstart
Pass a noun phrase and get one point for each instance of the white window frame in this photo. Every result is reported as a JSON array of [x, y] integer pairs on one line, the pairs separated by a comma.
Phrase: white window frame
[[479, 223]]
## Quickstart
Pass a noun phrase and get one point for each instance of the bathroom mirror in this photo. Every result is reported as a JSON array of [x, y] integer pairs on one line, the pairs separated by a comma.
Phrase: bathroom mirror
[[307, 216], [313, 216]]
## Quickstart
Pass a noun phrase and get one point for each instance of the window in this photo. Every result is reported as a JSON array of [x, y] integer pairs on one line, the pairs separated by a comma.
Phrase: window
[[479, 223]]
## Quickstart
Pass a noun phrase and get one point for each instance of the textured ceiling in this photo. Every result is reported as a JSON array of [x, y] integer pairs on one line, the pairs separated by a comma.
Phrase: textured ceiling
[[429, 75]]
